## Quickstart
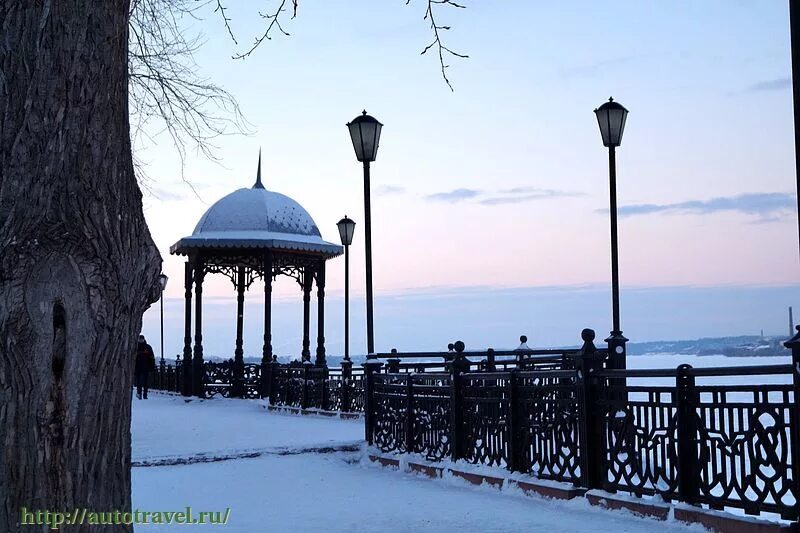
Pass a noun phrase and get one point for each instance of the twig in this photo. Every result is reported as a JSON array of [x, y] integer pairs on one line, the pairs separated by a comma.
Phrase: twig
[[442, 49], [274, 21]]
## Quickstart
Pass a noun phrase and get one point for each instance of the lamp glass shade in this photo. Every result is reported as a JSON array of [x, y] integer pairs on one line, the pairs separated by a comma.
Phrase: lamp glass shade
[[346, 229], [162, 280], [611, 118], [365, 132]]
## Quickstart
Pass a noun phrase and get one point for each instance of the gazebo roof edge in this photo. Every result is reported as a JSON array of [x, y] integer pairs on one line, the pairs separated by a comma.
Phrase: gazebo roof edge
[[187, 245]]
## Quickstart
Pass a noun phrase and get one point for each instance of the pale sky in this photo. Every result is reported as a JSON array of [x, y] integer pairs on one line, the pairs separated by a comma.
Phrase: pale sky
[[503, 183]]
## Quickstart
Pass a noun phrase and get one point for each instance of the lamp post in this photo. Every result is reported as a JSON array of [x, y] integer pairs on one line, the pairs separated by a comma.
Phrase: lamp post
[[611, 119], [794, 39], [365, 132], [162, 280], [346, 228]]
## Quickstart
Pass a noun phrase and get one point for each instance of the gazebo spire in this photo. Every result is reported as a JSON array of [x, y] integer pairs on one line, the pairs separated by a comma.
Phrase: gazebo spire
[[258, 184]]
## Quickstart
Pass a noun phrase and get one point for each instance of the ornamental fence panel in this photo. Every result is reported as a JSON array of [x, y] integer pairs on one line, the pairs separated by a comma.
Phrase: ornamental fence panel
[[726, 437]]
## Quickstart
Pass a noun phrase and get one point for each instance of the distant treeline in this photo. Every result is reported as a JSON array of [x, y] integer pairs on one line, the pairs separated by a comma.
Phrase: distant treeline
[[740, 346]]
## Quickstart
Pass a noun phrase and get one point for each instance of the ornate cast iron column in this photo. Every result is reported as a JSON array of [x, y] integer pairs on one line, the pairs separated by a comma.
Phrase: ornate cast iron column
[[321, 314], [238, 354], [198, 363], [308, 278], [266, 352], [186, 378]]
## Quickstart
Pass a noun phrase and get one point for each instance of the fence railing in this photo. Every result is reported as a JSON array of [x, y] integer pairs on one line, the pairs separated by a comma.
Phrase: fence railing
[[306, 386], [523, 420], [724, 437], [302, 385]]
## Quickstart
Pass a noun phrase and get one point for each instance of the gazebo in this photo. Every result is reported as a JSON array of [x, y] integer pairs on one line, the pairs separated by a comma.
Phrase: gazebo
[[250, 234]]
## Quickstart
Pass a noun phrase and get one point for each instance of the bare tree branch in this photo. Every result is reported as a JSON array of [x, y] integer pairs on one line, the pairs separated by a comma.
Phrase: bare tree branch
[[166, 89], [221, 10], [442, 49], [274, 21], [164, 84], [274, 24]]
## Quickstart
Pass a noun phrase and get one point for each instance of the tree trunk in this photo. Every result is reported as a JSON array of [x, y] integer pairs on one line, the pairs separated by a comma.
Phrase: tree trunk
[[77, 264]]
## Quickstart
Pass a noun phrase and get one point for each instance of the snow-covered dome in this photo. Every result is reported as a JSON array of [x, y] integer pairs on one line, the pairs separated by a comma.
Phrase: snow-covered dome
[[256, 209], [256, 218]]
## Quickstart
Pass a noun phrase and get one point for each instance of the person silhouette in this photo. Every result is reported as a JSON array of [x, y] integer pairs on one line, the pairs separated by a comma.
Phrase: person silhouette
[[145, 363]]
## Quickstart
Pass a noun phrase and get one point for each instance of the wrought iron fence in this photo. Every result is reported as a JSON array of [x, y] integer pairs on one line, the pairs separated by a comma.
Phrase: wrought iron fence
[[705, 438], [294, 385], [166, 378], [723, 437], [524, 420], [306, 386]]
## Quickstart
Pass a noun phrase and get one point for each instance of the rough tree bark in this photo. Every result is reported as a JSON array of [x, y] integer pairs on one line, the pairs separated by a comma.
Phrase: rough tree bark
[[77, 264]]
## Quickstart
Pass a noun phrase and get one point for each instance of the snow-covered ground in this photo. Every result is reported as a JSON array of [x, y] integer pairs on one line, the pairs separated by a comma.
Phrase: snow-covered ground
[[312, 492], [270, 490], [167, 426], [319, 491]]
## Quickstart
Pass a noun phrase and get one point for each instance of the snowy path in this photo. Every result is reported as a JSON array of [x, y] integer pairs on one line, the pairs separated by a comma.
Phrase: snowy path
[[167, 426], [331, 492]]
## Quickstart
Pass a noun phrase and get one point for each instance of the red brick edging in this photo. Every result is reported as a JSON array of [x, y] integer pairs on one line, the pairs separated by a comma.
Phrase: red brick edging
[[718, 521], [727, 523], [659, 511]]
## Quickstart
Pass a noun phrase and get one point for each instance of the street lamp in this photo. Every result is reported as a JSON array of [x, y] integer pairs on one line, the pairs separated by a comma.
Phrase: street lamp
[[162, 280], [611, 119], [365, 132], [346, 228]]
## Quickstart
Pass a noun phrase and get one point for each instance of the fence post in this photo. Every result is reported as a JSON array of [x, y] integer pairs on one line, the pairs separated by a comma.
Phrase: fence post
[[458, 366], [347, 375], [513, 423], [237, 378], [393, 364], [591, 416], [162, 372], [325, 392], [490, 363], [307, 365], [410, 413], [371, 367], [272, 389], [794, 345], [688, 453], [178, 374], [266, 378]]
